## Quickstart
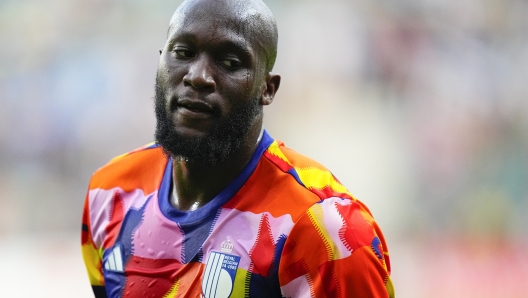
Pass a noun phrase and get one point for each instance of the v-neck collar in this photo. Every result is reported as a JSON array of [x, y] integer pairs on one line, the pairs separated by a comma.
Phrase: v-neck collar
[[188, 217]]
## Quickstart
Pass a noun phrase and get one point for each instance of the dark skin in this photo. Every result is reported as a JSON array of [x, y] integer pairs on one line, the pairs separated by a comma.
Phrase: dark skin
[[216, 56]]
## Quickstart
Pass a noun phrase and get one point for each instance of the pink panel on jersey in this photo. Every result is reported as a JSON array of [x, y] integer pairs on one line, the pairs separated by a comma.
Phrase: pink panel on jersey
[[101, 209], [151, 237], [333, 225], [242, 229], [299, 287]]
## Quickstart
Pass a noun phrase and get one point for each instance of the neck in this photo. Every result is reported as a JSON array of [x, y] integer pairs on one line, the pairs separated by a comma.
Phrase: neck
[[194, 184]]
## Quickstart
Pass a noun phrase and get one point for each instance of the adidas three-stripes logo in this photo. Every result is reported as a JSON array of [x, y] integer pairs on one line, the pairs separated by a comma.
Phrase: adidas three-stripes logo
[[114, 261]]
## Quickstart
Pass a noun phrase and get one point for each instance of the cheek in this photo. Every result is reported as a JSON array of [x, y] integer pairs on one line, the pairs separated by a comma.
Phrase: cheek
[[169, 70], [242, 88], [163, 73], [250, 84], [163, 62]]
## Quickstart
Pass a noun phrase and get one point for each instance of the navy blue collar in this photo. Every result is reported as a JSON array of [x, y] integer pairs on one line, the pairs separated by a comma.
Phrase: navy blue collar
[[187, 217]]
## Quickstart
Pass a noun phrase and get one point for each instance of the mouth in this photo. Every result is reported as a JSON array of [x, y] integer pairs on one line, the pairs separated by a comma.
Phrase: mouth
[[194, 108]]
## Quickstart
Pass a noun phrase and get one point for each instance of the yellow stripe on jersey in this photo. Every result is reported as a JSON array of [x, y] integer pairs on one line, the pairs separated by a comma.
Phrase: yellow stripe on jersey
[[313, 177], [390, 287], [173, 290], [316, 216], [274, 149], [93, 260], [316, 178]]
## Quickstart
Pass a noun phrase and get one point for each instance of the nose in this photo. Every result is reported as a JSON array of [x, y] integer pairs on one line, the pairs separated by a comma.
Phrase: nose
[[200, 74]]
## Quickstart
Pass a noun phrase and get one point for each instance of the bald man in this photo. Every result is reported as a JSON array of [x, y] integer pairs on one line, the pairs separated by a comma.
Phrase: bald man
[[216, 207]]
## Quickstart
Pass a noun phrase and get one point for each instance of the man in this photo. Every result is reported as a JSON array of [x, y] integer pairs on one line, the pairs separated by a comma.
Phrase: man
[[217, 207]]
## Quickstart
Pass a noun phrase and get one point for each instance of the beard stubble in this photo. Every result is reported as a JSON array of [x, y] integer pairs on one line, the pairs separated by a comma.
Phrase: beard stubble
[[217, 145]]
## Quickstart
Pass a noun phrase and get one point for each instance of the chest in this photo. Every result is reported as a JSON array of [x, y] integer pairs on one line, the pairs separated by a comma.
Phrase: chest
[[229, 253]]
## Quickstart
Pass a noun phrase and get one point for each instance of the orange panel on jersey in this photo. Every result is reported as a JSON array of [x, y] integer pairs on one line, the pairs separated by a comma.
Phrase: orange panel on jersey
[[277, 200], [142, 169]]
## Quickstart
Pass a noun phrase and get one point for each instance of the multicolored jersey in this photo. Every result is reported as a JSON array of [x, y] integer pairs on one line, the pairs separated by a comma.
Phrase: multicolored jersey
[[285, 227]]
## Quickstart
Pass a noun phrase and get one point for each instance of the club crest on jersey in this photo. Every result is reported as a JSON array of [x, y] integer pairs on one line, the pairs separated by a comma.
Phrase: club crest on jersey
[[220, 272]]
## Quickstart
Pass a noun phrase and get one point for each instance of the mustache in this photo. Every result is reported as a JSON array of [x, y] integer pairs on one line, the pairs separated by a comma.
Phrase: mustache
[[188, 96]]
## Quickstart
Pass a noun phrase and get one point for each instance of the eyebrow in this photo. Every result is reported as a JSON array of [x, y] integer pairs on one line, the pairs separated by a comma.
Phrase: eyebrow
[[243, 47]]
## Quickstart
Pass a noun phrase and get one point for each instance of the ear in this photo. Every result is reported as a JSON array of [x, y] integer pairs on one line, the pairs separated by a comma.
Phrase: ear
[[270, 87]]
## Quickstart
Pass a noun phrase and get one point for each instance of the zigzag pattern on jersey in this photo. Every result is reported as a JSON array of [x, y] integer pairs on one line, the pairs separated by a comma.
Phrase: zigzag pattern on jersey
[[321, 182], [314, 177], [173, 290], [316, 216]]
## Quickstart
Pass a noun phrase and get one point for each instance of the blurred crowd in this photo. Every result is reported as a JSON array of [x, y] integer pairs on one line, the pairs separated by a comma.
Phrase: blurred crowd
[[419, 107]]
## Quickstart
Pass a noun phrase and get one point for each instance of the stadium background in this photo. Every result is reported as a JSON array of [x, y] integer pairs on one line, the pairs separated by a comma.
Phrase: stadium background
[[419, 107]]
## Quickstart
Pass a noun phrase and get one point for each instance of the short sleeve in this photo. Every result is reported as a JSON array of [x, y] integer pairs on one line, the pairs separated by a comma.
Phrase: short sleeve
[[335, 249]]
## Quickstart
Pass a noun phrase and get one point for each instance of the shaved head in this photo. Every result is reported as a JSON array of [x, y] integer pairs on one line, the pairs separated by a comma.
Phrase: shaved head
[[251, 18]]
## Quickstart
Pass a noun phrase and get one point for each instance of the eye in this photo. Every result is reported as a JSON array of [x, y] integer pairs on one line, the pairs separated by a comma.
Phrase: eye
[[183, 53], [231, 62]]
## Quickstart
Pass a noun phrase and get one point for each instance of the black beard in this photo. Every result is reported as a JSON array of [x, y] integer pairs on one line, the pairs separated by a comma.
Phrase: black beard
[[220, 143]]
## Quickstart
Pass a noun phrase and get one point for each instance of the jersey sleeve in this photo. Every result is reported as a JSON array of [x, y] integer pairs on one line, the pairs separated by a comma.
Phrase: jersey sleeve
[[92, 255], [335, 249]]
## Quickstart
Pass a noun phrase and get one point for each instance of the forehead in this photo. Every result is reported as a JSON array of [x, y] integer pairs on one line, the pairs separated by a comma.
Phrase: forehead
[[216, 20]]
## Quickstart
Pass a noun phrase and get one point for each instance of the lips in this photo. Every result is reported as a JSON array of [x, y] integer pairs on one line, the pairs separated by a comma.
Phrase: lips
[[191, 107]]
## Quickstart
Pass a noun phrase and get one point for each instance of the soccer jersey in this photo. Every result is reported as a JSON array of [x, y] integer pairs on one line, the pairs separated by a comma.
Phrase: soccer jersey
[[285, 227]]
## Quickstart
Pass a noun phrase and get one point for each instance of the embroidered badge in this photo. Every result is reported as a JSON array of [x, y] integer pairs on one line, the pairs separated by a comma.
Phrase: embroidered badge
[[220, 272]]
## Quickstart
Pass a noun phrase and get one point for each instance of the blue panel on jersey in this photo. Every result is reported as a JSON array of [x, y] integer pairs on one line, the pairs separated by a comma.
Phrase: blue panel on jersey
[[293, 172], [375, 246], [114, 276], [195, 234], [198, 258], [114, 283], [130, 223]]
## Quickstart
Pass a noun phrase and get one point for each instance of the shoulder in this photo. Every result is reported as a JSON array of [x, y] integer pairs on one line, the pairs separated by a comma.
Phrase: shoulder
[[309, 173], [336, 209], [123, 183], [131, 170], [287, 183]]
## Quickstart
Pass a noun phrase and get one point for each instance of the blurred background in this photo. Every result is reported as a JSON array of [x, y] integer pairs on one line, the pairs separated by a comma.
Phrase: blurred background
[[419, 107]]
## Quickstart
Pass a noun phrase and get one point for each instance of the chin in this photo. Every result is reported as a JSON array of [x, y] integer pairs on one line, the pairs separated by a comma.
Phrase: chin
[[208, 140]]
